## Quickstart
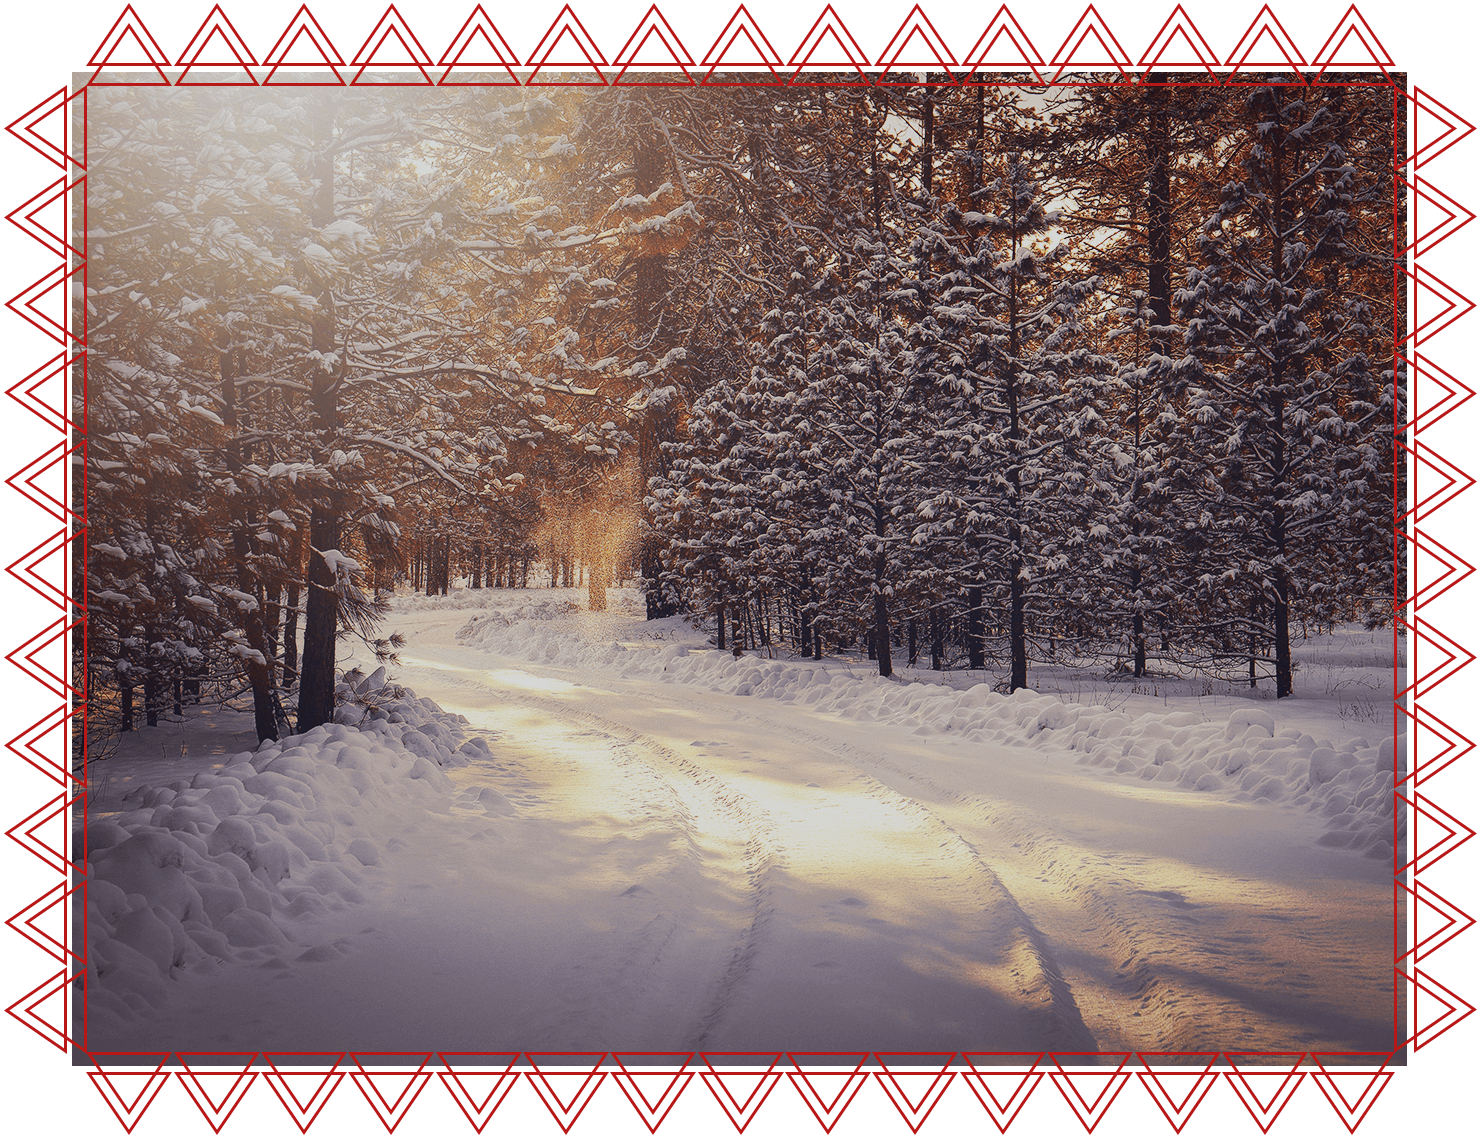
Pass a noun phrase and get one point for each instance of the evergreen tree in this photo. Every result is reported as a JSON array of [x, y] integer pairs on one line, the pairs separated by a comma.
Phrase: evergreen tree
[[1278, 357], [993, 339]]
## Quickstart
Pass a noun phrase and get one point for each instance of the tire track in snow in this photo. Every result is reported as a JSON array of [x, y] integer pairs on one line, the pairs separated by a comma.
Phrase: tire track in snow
[[1063, 1011], [1040, 987], [1030, 978], [1173, 957], [741, 821], [761, 857], [1135, 989]]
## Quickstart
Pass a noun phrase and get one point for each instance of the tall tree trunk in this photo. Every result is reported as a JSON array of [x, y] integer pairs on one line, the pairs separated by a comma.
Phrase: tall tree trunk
[[927, 147], [976, 655], [290, 613], [151, 681], [1159, 295], [1159, 206], [259, 663], [650, 287], [1138, 624], [1285, 370], [1017, 631], [881, 601], [1284, 673], [321, 617]]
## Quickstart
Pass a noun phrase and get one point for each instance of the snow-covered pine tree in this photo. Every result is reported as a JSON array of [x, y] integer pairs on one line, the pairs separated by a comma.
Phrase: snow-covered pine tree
[[704, 502], [187, 215], [866, 433], [1281, 364], [289, 262], [778, 206], [1129, 162], [1126, 551], [792, 477], [993, 343]]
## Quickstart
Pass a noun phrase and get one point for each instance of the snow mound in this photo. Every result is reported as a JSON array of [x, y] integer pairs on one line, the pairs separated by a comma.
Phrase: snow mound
[[234, 864], [1243, 755], [531, 612], [461, 599]]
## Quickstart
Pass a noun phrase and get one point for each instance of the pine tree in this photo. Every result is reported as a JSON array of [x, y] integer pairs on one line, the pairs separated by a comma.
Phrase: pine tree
[[993, 339], [1278, 356]]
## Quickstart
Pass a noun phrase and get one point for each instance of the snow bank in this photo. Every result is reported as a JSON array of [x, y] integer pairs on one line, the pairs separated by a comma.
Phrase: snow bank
[[512, 611], [234, 864], [1243, 755], [458, 598]]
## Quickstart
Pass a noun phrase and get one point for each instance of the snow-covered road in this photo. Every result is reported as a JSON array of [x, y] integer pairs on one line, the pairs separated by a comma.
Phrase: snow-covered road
[[647, 865], [767, 889]]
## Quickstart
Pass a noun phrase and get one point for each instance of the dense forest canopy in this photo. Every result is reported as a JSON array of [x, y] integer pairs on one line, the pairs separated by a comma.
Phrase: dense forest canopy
[[1101, 375]]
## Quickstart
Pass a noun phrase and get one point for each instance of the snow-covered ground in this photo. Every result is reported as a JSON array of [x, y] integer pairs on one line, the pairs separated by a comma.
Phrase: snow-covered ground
[[663, 847]]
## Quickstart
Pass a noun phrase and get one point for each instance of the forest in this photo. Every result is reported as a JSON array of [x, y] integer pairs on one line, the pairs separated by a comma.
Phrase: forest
[[947, 375]]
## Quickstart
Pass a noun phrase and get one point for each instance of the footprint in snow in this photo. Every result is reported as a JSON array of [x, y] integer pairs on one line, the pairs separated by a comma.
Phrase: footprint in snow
[[814, 784], [635, 890], [854, 901]]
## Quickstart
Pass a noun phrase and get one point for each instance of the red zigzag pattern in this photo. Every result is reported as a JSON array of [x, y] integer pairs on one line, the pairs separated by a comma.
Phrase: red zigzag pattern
[[128, 54]]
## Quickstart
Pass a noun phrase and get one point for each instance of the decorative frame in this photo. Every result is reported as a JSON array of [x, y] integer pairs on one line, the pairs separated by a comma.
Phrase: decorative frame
[[48, 533]]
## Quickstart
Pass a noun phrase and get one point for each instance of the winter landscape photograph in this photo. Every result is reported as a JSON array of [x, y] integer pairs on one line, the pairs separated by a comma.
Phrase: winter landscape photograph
[[741, 569]]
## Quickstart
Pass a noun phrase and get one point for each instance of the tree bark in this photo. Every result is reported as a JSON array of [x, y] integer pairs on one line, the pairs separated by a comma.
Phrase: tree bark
[[1017, 631], [321, 617], [258, 666], [125, 706], [976, 656], [151, 683], [881, 602]]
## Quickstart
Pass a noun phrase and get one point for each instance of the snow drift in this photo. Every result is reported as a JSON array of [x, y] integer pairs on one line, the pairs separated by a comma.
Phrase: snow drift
[[235, 864]]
